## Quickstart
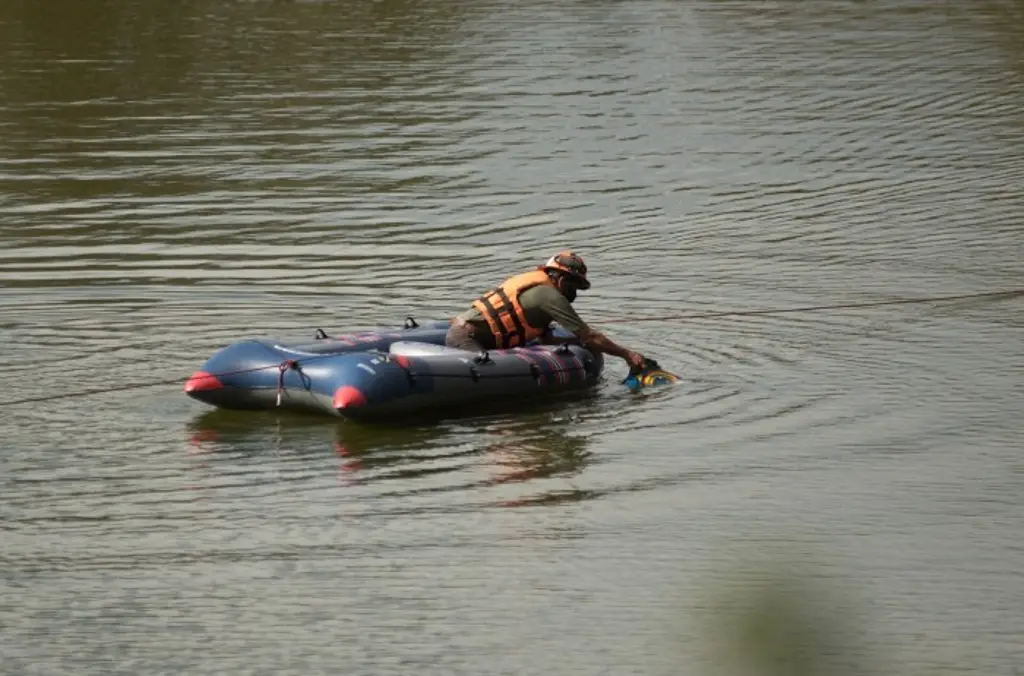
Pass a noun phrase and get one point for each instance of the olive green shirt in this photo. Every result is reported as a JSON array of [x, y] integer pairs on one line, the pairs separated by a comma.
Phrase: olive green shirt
[[541, 305]]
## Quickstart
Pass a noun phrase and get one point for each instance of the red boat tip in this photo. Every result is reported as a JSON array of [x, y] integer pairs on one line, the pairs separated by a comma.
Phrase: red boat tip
[[347, 396], [201, 381]]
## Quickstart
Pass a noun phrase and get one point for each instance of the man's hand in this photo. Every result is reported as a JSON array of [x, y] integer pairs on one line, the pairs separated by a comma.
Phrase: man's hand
[[634, 359]]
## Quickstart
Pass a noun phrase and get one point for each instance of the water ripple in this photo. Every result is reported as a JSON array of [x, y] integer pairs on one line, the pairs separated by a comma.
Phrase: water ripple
[[172, 181]]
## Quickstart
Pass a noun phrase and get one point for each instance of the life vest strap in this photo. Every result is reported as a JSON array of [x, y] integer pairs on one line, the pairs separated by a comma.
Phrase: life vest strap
[[510, 309], [493, 319]]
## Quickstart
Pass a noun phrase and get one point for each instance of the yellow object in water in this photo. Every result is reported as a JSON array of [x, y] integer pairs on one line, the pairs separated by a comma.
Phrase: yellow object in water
[[649, 376]]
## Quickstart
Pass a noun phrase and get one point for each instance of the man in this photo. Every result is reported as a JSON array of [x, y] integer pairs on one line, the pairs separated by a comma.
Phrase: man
[[523, 307]]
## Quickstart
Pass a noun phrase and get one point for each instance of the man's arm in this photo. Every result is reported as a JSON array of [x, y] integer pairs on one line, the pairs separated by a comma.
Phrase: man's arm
[[562, 311], [595, 339]]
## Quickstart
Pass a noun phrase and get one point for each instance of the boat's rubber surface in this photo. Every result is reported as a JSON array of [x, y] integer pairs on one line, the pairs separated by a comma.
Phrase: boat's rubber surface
[[372, 375]]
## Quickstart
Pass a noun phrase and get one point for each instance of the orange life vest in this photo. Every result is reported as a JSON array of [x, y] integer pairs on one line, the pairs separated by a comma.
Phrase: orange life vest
[[504, 315]]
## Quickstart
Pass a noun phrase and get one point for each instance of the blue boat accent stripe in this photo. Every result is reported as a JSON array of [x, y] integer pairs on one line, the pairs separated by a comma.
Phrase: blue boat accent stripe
[[579, 367], [527, 356], [559, 373]]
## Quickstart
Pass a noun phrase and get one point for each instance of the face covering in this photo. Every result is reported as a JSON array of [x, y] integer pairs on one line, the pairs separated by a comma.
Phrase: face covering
[[569, 290]]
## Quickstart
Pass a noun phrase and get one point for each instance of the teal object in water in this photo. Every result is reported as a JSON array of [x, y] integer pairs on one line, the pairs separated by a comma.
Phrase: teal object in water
[[650, 375]]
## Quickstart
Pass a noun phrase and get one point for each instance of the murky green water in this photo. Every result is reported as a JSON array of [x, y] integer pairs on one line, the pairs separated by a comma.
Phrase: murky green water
[[177, 175]]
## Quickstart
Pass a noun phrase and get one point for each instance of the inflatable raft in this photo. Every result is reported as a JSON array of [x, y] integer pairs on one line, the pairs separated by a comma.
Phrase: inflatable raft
[[373, 375]]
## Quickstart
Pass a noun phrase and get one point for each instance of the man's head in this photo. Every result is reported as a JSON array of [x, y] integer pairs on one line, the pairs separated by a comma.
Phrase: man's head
[[569, 273]]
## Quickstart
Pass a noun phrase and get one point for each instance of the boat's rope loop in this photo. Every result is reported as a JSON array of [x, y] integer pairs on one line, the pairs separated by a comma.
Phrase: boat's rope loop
[[403, 363], [281, 369]]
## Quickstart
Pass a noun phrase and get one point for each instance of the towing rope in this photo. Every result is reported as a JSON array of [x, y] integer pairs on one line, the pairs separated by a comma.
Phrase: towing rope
[[995, 295], [284, 366]]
